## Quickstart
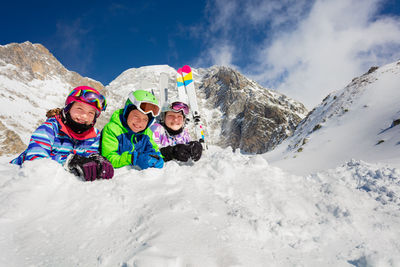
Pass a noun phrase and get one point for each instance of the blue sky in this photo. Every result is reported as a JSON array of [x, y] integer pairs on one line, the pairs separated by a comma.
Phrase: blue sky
[[302, 48]]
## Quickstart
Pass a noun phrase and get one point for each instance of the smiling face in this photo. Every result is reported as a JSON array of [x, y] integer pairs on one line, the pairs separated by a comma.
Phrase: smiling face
[[174, 120], [82, 113], [137, 121]]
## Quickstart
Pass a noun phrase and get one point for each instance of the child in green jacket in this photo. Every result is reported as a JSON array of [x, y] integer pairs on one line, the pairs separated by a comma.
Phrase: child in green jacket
[[127, 138]]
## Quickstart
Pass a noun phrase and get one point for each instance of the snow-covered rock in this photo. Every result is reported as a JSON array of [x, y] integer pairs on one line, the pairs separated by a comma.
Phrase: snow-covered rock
[[32, 81]]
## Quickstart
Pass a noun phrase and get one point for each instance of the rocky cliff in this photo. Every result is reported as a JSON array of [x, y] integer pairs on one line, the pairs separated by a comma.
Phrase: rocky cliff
[[252, 118], [32, 81]]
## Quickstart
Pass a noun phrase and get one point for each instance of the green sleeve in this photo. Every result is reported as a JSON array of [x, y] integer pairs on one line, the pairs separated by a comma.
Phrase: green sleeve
[[153, 143], [109, 147]]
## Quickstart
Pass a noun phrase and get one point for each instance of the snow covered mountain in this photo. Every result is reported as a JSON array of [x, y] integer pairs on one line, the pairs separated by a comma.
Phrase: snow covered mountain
[[250, 117], [237, 111], [361, 121], [227, 209], [32, 81]]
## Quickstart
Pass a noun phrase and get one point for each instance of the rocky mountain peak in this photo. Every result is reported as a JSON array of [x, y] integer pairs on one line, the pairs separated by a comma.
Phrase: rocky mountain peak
[[254, 118], [34, 61], [237, 111]]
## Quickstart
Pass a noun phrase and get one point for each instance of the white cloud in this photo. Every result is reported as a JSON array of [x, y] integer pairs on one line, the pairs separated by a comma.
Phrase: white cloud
[[310, 48], [275, 12], [336, 42], [218, 54]]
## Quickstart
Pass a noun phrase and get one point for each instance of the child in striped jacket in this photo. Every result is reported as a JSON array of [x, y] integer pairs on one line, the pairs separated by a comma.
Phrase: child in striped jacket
[[69, 136]]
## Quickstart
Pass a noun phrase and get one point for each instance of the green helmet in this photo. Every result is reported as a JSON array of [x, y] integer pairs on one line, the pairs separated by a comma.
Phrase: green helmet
[[144, 101]]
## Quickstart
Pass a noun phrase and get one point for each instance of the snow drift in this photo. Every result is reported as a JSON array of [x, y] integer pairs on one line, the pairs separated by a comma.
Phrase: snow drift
[[228, 209]]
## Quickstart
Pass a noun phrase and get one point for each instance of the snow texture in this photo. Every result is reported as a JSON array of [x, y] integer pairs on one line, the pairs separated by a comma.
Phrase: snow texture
[[228, 209], [335, 203]]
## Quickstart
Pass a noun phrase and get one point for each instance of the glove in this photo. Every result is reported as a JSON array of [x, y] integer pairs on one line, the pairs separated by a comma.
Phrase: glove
[[147, 160], [156, 161], [167, 153], [179, 152], [105, 168], [82, 166], [196, 149]]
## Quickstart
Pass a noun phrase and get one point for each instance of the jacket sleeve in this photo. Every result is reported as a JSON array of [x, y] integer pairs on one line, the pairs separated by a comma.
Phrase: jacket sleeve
[[41, 142], [151, 144], [109, 148], [186, 136]]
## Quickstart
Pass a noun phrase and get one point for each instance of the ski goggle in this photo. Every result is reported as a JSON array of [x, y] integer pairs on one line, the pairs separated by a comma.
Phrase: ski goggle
[[180, 106], [90, 96], [146, 108]]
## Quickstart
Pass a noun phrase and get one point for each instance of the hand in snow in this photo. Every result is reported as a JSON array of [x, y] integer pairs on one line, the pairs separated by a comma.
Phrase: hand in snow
[[82, 166], [196, 149], [181, 152], [147, 160], [105, 169]]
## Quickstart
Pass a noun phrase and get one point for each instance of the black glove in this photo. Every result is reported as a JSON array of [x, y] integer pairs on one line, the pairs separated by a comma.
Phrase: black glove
[[196, 149], [82, 166], [179, 152], [167, 153], [105, 169]]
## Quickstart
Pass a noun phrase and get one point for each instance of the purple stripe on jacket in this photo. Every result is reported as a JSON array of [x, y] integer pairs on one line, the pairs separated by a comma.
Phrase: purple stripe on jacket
[[163, 138]]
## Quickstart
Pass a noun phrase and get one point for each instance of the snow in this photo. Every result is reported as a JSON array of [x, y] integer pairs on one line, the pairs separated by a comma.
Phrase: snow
[[24, 105], [336, 203], [353, 121], [228, 209]]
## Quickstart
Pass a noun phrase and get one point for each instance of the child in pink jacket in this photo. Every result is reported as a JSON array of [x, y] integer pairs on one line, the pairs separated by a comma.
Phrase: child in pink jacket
[[171, 135]]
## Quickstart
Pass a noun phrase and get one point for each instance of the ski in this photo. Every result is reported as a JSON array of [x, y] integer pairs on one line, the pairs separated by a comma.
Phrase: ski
[[185, 80], [163, 89], [181, 87]]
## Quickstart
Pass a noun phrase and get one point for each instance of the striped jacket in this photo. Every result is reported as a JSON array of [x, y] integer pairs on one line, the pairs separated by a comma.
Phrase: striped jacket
[[54, 140]]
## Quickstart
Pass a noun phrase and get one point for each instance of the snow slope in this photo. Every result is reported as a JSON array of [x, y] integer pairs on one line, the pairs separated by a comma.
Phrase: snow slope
[[227, 209], [356, 122], [26, 104]]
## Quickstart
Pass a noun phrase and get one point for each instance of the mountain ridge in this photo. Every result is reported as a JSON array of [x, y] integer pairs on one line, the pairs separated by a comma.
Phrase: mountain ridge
[[358, 121]]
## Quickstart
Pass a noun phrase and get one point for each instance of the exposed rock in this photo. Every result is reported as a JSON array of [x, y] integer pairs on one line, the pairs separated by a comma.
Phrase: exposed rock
[[34, 61], [10, 142], [253, 119]]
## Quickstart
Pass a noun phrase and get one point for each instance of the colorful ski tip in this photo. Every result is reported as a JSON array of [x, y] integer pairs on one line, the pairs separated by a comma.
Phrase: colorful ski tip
[[186, 69]]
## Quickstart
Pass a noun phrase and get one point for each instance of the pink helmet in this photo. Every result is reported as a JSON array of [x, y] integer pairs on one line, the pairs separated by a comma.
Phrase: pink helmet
[[87, 95]]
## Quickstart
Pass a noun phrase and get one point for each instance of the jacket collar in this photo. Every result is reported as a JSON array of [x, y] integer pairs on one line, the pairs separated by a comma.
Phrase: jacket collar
[[91, 133]]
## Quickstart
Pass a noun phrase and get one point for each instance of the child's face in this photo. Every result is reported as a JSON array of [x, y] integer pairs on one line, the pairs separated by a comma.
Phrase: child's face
[[82, 113], [174, 120], [137, 121]]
